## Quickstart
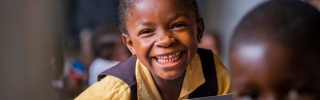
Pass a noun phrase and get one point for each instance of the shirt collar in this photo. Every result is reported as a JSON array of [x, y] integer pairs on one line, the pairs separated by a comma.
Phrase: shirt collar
[[146, 88]]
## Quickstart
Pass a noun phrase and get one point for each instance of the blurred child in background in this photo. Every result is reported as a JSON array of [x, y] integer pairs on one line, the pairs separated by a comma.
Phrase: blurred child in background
[[109, 50], [211, 41], [315, 3]]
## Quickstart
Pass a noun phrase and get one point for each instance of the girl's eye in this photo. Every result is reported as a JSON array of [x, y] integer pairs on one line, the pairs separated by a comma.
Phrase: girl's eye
[[178, 25], [145, 31]]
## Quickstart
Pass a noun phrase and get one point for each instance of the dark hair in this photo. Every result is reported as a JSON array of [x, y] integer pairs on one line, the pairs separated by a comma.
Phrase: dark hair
[[126, 4], [294, 24]]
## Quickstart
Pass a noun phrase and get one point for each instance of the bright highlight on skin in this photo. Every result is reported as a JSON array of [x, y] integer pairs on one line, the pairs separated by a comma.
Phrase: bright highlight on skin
[[251, 52]]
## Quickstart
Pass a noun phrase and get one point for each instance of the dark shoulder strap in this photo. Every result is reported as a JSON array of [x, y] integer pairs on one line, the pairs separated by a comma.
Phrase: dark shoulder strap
[[126, 72], [210, 87]]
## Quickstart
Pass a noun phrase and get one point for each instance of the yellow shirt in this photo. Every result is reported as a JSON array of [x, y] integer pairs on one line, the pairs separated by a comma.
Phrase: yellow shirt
[[112, 88]]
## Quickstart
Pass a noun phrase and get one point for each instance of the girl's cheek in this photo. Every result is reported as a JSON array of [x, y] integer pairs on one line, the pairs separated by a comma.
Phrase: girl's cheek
[[147, 43], [150, 40]]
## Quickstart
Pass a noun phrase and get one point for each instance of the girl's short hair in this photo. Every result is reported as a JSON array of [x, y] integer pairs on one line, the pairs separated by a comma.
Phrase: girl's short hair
[[127, 4]]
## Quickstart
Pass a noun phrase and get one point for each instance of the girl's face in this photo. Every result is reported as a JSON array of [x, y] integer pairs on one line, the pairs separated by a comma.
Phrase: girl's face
[[164, 35]]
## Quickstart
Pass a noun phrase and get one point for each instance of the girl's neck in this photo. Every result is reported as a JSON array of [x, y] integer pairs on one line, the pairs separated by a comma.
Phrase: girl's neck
[[169, 89]]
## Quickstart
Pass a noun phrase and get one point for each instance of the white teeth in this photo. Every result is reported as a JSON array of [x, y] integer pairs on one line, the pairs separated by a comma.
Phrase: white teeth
[[168, 58]]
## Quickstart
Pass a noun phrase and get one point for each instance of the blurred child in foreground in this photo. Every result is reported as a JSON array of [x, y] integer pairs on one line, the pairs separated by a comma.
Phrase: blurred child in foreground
[[275, 53]]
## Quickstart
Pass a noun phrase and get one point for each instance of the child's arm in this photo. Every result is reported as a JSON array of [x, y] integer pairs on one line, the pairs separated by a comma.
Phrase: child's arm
[[109, 88], [223, 77]]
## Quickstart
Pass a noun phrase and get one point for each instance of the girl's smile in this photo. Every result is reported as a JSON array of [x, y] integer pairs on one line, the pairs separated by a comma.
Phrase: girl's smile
[[168, 61]]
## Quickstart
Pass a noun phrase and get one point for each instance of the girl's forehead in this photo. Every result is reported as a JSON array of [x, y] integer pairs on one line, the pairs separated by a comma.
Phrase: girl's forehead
[[158, 5], [148, 11]]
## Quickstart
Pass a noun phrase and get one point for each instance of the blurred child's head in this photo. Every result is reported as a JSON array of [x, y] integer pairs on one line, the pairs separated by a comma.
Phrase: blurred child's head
[[163, 34], [275, 53], [106, 43], [211, 41]]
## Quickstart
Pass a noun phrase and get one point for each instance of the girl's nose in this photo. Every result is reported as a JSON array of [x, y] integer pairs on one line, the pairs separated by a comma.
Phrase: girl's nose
[[165, 41]]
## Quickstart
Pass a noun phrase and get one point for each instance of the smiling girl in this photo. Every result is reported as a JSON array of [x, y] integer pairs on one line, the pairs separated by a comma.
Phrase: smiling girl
[[163, 36]]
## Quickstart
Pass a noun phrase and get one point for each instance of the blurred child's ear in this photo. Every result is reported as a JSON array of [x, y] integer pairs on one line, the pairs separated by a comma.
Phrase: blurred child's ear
[[200, 29], [127, 41]]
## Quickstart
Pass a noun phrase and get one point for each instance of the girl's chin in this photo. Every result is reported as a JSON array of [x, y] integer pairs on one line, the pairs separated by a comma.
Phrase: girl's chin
[[170, 76]]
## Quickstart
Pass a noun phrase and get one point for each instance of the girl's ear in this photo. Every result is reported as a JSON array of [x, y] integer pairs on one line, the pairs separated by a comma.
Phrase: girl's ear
[[127, 41], [200, 30]]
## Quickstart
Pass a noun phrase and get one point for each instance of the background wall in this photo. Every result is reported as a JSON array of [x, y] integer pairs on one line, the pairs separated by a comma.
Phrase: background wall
[[29, 38]]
